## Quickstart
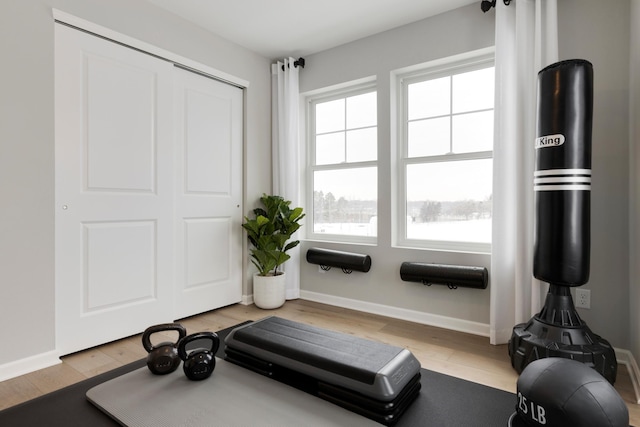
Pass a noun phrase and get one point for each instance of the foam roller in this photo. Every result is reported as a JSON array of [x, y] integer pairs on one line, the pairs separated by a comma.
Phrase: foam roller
[[449, 275], [348, 261]]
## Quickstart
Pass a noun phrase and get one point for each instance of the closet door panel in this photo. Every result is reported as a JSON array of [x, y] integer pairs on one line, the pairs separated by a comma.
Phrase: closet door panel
[[120, 264], [207, 136], [209, 193], [114, 191], [120, 106]]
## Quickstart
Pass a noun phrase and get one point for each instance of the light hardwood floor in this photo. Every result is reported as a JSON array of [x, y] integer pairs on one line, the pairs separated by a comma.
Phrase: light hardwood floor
[[461, 355]]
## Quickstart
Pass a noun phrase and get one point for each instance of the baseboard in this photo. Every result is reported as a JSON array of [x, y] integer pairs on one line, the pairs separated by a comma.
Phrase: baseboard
[[248, 299], [29, 364], [626, 358], [459, 325]]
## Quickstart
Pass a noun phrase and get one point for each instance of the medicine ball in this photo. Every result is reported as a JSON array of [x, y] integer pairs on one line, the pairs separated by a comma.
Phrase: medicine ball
[[559, 392]]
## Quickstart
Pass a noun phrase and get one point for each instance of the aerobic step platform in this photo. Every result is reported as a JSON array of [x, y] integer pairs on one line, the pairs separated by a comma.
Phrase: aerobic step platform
[[376, 380]]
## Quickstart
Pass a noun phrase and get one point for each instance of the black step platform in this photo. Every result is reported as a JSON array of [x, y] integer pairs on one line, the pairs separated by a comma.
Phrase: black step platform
[[376, 380]]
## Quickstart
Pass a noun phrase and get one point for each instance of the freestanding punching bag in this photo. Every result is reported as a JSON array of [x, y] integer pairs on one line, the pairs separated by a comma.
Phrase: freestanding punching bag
[[562, 242], [562, 178]]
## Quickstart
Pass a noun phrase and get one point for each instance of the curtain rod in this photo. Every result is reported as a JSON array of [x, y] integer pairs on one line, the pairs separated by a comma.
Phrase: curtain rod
[[485, 5], [297, 63]]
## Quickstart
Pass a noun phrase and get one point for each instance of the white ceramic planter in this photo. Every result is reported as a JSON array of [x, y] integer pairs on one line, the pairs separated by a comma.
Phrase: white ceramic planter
[[269, 291]]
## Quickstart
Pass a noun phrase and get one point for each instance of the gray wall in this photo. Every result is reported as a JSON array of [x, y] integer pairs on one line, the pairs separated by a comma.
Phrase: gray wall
[[600, 32], [27, 143], [594, 30], [634, 160], [451, 33]]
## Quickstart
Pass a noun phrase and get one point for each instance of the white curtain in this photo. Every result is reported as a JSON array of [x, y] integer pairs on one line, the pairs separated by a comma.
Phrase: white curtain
[[285, 152], [526, 42]]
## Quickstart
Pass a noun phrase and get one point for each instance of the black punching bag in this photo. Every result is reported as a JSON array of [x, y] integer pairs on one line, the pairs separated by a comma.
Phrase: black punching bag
[[562, 180], [562, 184]]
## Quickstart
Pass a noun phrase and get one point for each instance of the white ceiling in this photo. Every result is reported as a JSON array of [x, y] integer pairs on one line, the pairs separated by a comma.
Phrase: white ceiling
[[279, 28]]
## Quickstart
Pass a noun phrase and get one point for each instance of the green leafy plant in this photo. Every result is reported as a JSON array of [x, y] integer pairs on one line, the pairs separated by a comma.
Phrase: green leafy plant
[[270, 233]]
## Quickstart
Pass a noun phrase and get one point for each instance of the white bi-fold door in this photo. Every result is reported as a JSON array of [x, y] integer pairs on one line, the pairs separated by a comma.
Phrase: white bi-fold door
[[148, 191]]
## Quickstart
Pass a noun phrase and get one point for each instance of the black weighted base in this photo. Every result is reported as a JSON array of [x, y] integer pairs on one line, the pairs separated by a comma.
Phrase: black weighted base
[[558, 331]]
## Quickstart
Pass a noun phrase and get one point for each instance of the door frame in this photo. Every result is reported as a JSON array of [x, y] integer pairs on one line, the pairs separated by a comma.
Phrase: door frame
[[178, 60]]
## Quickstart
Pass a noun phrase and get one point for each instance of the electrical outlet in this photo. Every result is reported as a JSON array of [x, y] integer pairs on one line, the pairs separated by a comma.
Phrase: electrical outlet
[[583, 298]]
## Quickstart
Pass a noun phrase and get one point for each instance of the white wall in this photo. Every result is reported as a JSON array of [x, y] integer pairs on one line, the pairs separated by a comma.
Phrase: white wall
[[455, 32], [589, 29], [27, 142]]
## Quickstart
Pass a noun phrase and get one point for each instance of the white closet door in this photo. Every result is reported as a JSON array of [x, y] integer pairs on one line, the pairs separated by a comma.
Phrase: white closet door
[[208, 193], [114, 190]]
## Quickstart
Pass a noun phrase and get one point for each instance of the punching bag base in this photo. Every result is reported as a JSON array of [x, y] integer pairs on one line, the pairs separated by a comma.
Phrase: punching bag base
[[544, 336]]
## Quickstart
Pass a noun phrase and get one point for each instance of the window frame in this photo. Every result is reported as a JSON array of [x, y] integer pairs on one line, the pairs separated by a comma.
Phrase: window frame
[[471, 61], [344, 91]]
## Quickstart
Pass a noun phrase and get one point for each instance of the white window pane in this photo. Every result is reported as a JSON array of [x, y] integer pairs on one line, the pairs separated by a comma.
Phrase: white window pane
[[429, 137], [330, 148], [362, 145], [345, 202], [473, 90], [429, 98], [362, 111], [450, 201], [473, 132], [330, 116]]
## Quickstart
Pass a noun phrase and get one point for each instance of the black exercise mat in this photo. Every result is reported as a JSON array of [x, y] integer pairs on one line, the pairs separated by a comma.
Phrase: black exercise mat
[[443, 401]]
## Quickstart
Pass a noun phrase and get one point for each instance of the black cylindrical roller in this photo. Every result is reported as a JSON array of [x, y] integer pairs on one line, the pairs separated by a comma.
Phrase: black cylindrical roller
[[441, 274], [339, 259], [562, 179]]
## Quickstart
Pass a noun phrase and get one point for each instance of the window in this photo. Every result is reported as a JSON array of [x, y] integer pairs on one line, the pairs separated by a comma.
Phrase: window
[[342, 173], [445, 158]]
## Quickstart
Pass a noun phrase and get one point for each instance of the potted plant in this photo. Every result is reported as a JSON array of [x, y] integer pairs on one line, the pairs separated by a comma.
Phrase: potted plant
[[269, 233]]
